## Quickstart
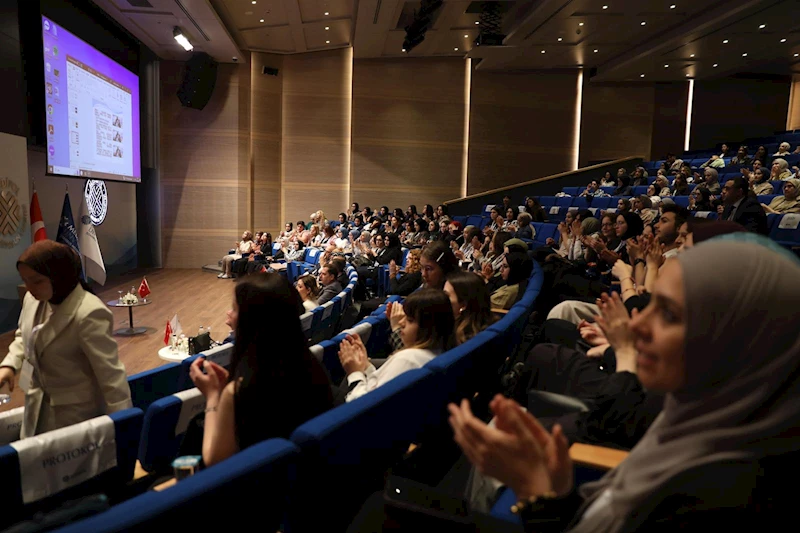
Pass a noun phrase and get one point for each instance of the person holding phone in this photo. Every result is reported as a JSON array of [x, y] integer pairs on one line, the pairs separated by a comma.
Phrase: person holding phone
[[63, 350]]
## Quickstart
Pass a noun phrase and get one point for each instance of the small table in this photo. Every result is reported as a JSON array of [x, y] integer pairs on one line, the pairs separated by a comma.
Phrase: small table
[[129, 331], [168, 355]]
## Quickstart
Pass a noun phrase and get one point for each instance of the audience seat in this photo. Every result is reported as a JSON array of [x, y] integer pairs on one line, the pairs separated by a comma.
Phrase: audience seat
[[639, 190], [252, 483], [10, 425], [473, 220], [347, 450], [151, 385], [466, 368], [777, 186], [579, 202], [710, 215], [681, 201], [766, 198], [602, 202], [547, 201], [785, 231], [165, 424], [42, 472], [573, 191], [608, 190], [218, 354]]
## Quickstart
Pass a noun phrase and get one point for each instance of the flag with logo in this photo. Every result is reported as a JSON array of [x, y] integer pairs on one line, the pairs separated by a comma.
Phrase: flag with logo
[[37, 222], [91, 258], [67, 234], [175, 325], [144, 288]]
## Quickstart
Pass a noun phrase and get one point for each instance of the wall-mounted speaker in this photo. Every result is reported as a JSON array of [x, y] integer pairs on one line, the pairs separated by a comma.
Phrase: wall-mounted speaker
[[199, 79], [270, 71]]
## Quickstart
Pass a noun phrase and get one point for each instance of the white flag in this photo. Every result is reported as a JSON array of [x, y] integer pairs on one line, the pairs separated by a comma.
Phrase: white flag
[[91, 257], [175, 326]]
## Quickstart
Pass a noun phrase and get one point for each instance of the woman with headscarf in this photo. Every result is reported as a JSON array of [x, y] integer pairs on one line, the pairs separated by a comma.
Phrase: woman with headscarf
[[623, 186], [63, 350], [787, 203], [780, 170], [726, 358]]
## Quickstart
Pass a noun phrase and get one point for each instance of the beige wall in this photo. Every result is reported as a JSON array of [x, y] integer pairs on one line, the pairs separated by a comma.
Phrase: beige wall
[[408, 131]]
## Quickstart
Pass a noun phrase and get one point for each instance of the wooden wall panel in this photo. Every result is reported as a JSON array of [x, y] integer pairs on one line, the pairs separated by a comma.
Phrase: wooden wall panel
[[408, 131], [793, 115], [265, 142], [521, 127], [616, 121], [669, 119], [204, 187], [316, 133], [732, 109]]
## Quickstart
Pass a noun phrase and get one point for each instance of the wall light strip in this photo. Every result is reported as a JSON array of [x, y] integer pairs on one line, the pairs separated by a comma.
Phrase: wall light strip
[[576, 141], [349, 129], [467, 98], [689, 106]]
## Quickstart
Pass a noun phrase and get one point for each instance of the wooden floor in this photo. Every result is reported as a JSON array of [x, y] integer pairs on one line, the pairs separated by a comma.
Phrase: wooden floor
[[198, 297]]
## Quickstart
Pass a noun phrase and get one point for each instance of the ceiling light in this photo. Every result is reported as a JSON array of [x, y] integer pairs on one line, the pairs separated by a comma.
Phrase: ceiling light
[[253, 2], [466, 36], [404, 49], [596, 50], [456, 49], [691, 55], [261, 20], [725, 41], [783, 40], [477, 22], [641, 75], [560, 39], [327, 42], [326, 13], [796, 55], [688, 75], [644, 23], [744, 54], [182, 39], [542, 51], [327, 28], [605, 7], [715, 65], [762, 26], [666, 66], [672, 6], [580, 24]]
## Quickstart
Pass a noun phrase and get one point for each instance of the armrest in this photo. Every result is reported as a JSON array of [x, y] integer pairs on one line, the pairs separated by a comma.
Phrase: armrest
[[597, 457], [500, 311]]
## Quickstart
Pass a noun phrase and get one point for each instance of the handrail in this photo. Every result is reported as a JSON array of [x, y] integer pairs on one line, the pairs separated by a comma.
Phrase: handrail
[[540, 180]]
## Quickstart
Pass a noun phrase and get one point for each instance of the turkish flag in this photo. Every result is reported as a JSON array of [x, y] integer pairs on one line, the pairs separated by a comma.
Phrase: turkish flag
[[37, 223], [167, 333], [144, 288]]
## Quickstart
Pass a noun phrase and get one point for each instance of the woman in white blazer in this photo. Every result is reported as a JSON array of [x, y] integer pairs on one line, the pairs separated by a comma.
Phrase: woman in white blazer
[[63, 350]]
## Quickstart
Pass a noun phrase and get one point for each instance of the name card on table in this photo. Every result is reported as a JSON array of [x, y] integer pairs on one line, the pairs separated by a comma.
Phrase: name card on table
[[57, 460], [192, 403]]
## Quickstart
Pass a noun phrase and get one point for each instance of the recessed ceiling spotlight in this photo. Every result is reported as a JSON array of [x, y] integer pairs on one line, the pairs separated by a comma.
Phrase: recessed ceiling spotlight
[[261, 20], [762, 26], [715, 65], [673, 6], [326, 14], [691, 55], [783, 40], [477, 22], [666, 66], [327, 28], [796, 55], [605, 7], [466, 36], [641, 75], [725, 41], [560, 39], [253, 2], [644, 23], [688, 75], [580, 24], [744, 54], [596, 50], [542, 51], [455, 49], [404, 49], [327, 42]]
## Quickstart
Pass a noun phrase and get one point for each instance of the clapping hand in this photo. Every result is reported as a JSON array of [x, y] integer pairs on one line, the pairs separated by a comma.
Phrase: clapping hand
[[591, 333], [395, 313], [519, 452], [353, 354], [615, 323], [212, 381], [487, 271], [393, 269], [621, 270], [655, 254]]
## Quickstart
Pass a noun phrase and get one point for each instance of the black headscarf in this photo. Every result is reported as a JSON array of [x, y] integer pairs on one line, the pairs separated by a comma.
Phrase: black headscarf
[[58, 262]]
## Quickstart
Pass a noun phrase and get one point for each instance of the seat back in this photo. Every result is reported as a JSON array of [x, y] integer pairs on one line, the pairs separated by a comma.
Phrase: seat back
[[151, 385], [218, 354], [785, 231], [39, 472], [165, 424], [254, 481], [572, 191], [347, 450], [10, 425], [464, 369]]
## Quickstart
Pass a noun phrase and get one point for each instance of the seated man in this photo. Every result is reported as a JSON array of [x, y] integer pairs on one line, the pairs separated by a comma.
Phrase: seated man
[[331, 287], [742, 208]]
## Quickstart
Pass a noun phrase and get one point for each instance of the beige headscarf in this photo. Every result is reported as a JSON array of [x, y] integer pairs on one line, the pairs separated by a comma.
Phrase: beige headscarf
[[740, 402]]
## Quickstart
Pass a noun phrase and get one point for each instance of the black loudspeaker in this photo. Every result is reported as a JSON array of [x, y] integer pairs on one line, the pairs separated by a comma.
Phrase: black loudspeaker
[[199, 80], [270, 71]]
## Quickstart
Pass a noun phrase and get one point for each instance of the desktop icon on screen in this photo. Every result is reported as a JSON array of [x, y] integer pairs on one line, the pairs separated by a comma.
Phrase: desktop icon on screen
[[46, 25]]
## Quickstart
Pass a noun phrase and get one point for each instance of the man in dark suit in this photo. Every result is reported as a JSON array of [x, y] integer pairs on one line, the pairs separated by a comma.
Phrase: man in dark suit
[[743, 208], [331, 287]]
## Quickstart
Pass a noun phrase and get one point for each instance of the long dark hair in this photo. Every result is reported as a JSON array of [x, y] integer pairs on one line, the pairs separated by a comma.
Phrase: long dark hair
[[431, 310], [476, 314], [267, 377], [520, 267]]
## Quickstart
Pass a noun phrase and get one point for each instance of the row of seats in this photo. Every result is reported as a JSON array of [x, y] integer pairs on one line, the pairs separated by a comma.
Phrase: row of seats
[[318, 478]]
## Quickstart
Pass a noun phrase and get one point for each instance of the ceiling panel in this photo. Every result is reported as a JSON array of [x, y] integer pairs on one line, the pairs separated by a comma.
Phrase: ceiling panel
[[314, 10], [327, 34], [244, 14], [270, 39]]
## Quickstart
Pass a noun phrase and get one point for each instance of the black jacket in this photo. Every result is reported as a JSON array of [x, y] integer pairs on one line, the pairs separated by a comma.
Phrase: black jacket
[[750, 215], [407, 284]]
